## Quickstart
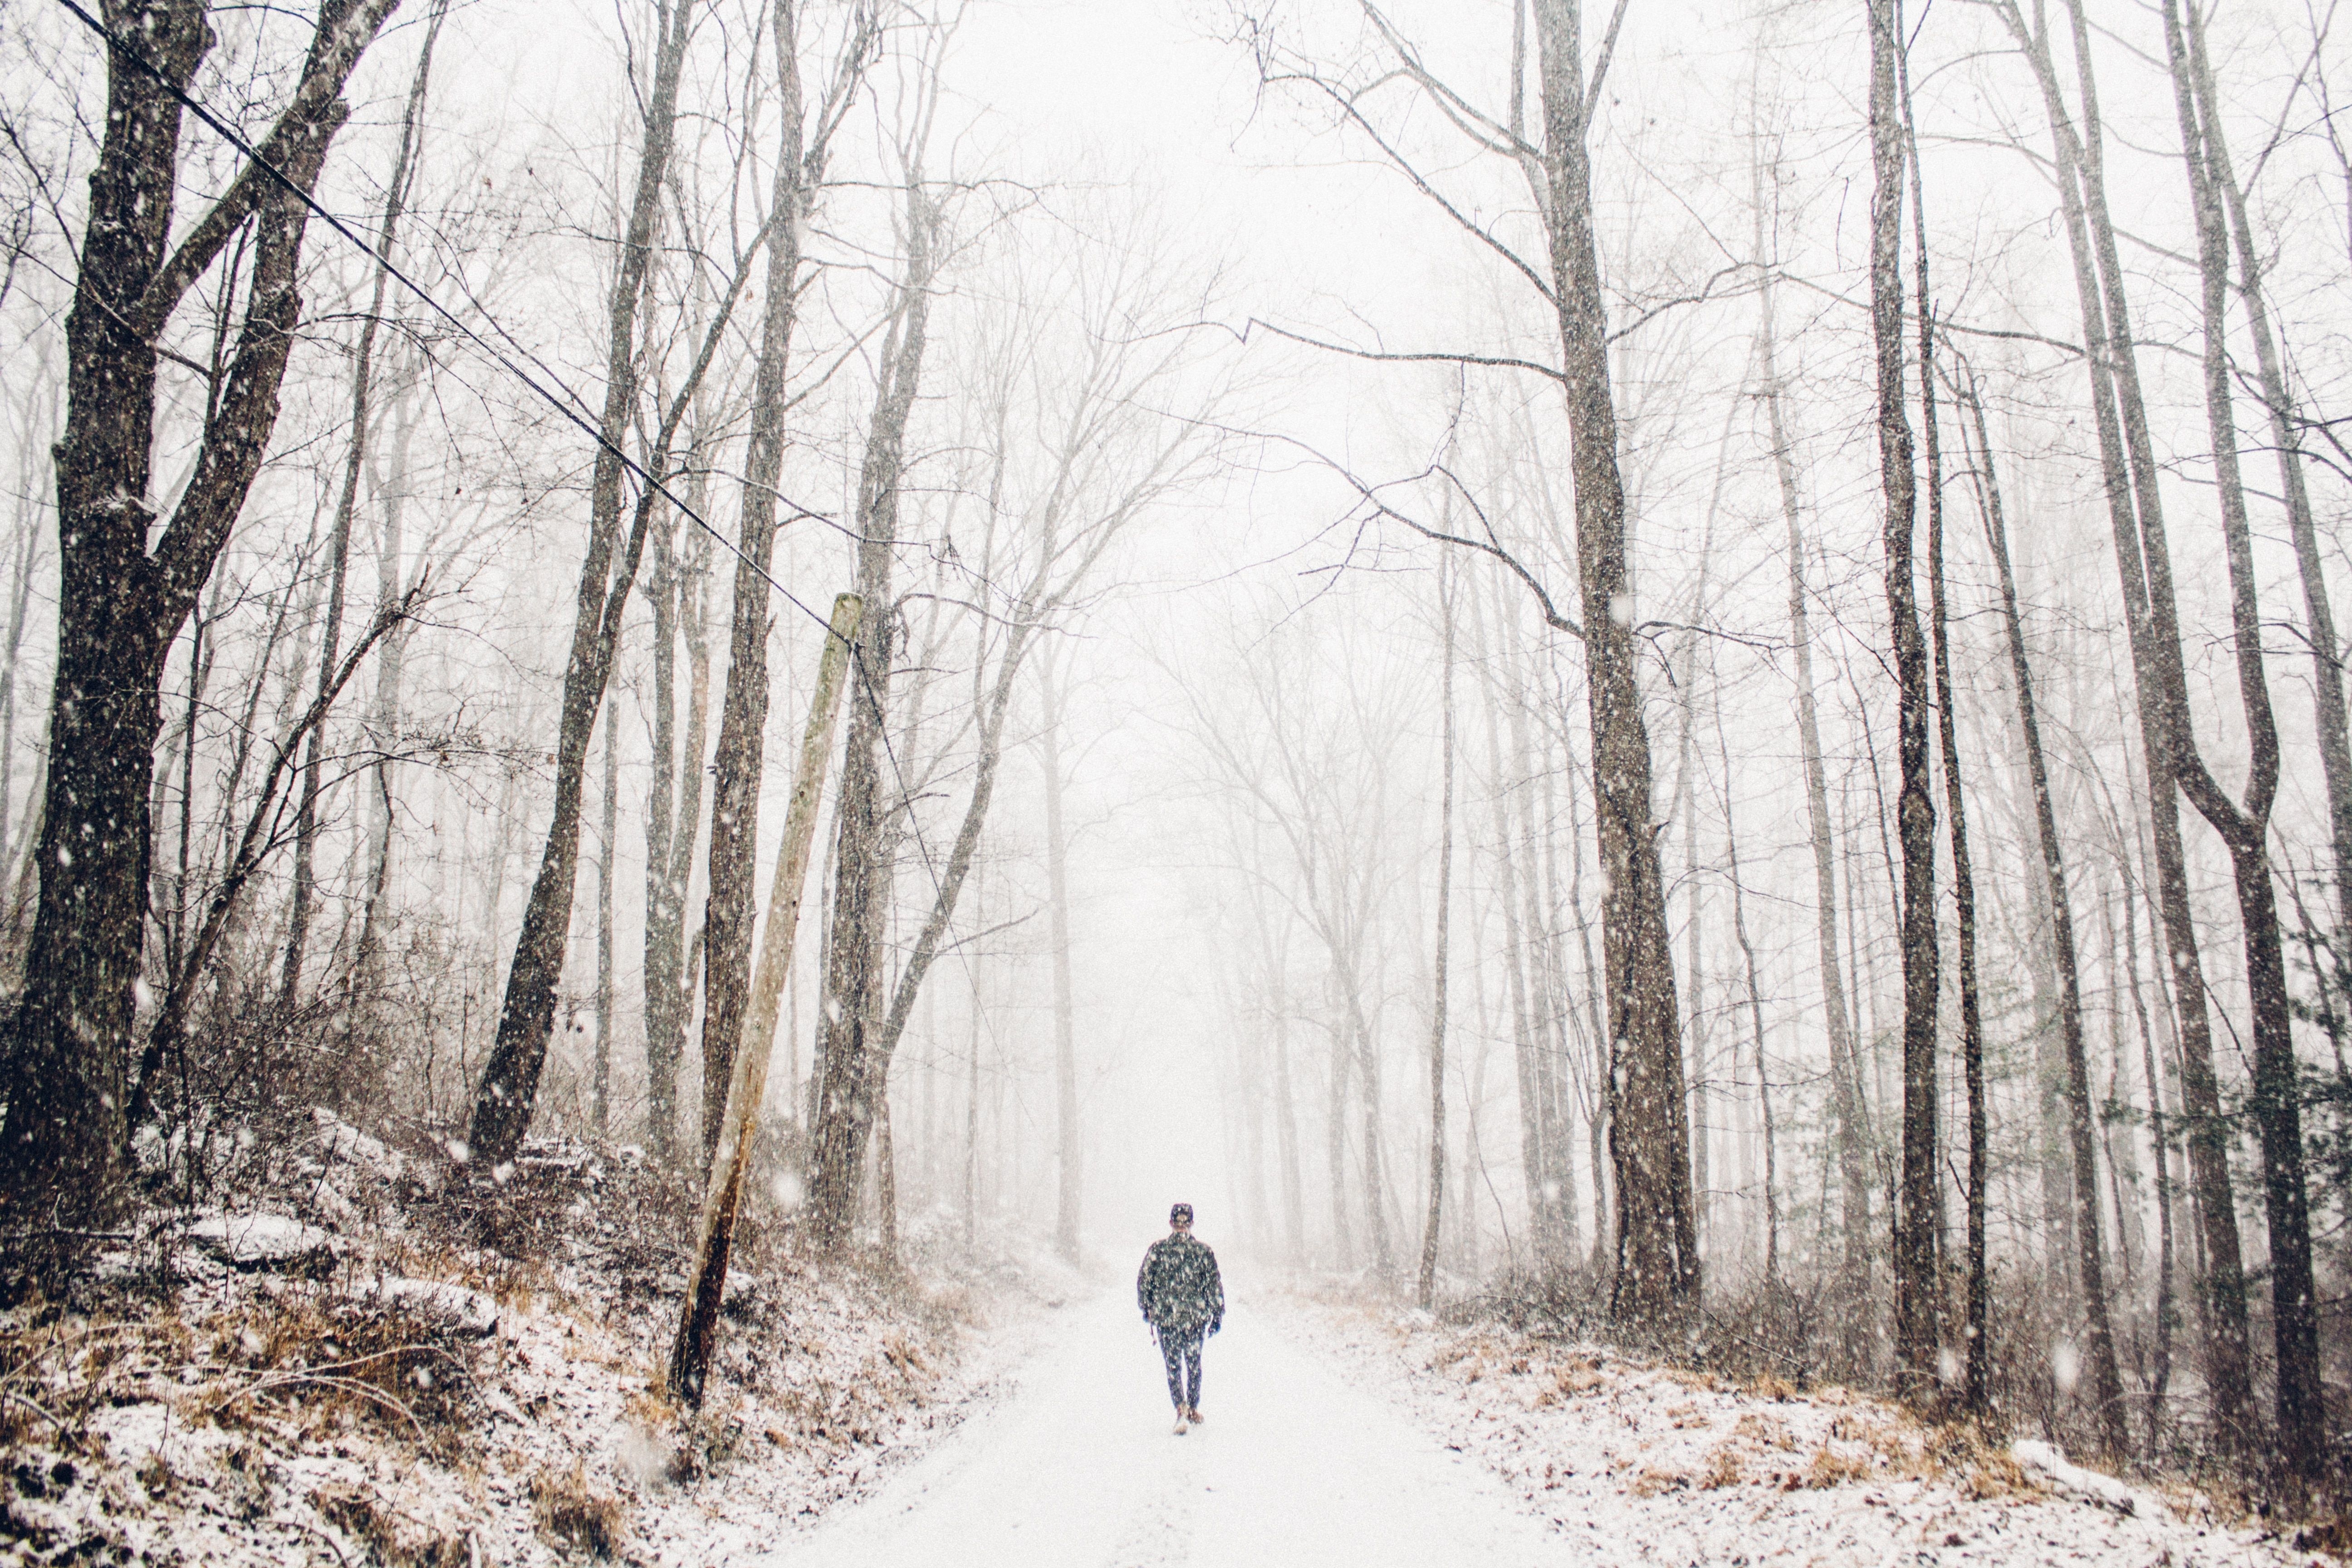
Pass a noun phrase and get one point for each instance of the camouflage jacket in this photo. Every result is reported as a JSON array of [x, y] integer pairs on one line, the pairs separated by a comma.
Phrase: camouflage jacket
[[1179, 1286]]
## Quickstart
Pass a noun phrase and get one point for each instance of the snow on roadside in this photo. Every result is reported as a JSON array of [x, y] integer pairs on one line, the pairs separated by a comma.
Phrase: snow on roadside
[[1638, 1464], [301, 1387]]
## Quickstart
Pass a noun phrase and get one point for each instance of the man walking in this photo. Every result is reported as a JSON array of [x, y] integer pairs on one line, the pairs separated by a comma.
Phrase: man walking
[[1184, 1301]]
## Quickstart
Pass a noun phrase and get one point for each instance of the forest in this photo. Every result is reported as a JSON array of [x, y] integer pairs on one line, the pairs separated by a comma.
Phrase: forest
[[1654, 676]]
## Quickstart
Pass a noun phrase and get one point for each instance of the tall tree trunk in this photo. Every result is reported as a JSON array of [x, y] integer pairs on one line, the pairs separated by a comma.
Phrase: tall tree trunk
[[1853, 1159], [1914, 1234], [2245, 829], [1657, 1273], [1964, 888], [679, 596], [2106, 1383], [2278, 400], [855, 1062], [365, 1022], [727, 912], [600, 1087], [2130, 479], [1977, 1385], [339, 535], [1066, 1050], [509, 1084], [121, 603], [1428, 1236], [2168, 1309]]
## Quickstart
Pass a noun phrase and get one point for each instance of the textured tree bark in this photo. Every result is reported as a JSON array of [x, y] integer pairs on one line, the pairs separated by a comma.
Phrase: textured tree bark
[[842, 1129], [2245, 827], [509, 1084], [679, 596], [365, 1022], [1657, 1272], [1964, 890], [1976, 1387], [1915, 1235], [698, 1329], [2278, 401], [600, 1111], [2168, 1307], [122, 604], [855, 1062], [2107, 337], [727, 912]]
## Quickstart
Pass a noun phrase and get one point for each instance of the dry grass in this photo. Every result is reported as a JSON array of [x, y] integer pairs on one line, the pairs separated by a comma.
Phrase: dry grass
[[394, 1537], [577, 1515], [1651, 1482], [1725, 1467], [334, 1364], [1829, 1468]]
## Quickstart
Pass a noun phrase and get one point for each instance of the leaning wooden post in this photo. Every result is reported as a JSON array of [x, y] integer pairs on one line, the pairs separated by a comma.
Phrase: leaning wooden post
[[697, 1330]]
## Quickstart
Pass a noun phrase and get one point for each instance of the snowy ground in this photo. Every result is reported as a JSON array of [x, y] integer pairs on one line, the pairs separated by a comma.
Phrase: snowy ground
[[339, 1381], [1356, 1437], [1297, 1466], [333, 1385], [1632, 1464]]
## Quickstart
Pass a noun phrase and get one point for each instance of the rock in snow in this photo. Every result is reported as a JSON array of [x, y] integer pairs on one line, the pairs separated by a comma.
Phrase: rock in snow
[[260, 1241], [467, 1313], [2047, 1463]]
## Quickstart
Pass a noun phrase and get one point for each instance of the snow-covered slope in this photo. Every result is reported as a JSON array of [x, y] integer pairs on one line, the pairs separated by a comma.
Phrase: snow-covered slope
[[1636, 1464], [346, 1381]]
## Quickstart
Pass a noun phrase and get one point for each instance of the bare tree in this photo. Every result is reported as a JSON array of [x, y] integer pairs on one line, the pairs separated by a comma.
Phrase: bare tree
[[121, 603], [2244, 826], [803, 153], [339, 534], [509, 1084], [1428, 1283], [1915, 1216], [2127, 470], [1845, 1092], [2106, 1383]]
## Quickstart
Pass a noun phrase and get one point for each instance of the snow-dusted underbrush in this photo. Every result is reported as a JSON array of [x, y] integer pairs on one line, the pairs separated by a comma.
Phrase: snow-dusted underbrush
[[1643, 1463], [377, 1361]]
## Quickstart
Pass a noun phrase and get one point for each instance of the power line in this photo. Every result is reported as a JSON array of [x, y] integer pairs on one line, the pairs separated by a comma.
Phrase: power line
[[570, 410], [567, 409]]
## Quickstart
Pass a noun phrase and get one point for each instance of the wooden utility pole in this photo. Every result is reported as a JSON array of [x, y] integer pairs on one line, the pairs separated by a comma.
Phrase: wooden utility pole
[[697, 1330]]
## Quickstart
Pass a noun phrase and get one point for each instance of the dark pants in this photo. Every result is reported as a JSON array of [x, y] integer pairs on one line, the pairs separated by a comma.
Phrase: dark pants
[[1181, 1349]]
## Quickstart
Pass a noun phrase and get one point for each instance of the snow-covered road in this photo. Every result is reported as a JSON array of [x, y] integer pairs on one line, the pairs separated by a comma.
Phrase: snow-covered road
[[1075, 1467]]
